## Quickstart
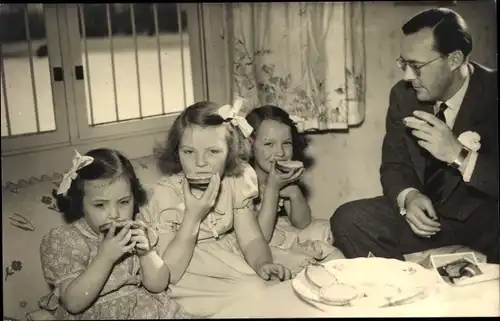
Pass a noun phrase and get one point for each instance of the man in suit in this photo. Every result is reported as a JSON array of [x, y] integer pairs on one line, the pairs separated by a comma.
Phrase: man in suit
[[438, 189]]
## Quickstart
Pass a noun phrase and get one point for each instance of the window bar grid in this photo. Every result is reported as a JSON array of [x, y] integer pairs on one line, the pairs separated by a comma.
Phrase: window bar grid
[[137, 71], [54, 94], [87, 62], [32, 69], [179, 24], [227, 51], [112, 53], [203, 41], [4, 96], [158, 48]]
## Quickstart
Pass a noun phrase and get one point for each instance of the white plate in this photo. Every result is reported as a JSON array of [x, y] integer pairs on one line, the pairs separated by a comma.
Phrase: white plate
[[372, 277]]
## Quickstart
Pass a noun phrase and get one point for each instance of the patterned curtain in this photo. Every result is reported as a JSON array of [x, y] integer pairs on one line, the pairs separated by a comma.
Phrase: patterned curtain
[[307, 58]]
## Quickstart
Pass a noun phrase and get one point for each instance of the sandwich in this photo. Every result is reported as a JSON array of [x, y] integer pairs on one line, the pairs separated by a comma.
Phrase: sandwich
[[199, 180], [338, 294], [327, 286], [287, 166], [415, 120], [119, 225], [318, 277]]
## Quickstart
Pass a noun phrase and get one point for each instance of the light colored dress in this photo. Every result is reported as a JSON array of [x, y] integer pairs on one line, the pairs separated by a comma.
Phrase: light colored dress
[[291, 246], [66, 252], [217, 274]]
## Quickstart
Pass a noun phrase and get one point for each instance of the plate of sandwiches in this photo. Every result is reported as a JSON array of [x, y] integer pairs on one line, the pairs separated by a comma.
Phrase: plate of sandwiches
[[367, 283]]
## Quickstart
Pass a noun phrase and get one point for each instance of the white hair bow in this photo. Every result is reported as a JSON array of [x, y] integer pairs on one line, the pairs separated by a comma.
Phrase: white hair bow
[[79, 161], [231, 112]]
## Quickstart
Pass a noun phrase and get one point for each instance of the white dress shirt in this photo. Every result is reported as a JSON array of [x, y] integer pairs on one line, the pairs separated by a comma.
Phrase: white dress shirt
[[450, 114]]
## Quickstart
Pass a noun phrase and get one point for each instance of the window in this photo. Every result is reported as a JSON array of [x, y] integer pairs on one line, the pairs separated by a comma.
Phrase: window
[[72, 73], [33, 106]]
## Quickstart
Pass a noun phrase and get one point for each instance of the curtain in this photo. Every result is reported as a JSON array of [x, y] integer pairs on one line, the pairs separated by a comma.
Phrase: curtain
[[307, 58]]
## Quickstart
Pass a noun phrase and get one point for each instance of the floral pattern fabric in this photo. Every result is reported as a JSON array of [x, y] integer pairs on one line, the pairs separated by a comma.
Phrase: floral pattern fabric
[[307, 58], [68, 250]]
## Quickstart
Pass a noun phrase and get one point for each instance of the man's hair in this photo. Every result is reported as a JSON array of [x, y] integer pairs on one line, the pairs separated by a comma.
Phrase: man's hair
[[448, 27]]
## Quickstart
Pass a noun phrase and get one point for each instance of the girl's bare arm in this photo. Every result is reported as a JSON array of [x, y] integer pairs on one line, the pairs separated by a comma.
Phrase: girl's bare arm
[[154, 272], [298, 209], [180, 250], [252, 243], [268, 212]]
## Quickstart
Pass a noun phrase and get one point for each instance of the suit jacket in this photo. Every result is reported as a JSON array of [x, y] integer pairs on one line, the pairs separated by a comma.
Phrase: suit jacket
[[403, 162]]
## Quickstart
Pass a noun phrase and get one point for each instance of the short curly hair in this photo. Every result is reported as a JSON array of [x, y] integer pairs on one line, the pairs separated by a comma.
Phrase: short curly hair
[[108, 163], [202, 114]]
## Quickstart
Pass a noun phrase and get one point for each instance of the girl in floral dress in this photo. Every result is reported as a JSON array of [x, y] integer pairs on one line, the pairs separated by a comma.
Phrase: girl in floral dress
[[110, 274], [202, 210], [284, 214]]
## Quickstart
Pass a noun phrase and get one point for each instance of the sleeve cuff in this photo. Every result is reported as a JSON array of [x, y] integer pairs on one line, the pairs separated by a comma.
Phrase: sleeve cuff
[[469, 169], [401, 199]]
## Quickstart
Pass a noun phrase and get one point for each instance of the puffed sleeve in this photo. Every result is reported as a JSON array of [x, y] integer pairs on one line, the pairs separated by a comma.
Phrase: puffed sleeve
[[245, 189], [163, 212], [64, 255]]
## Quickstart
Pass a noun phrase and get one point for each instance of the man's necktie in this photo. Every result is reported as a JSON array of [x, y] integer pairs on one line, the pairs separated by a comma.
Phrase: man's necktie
[[433, 175]]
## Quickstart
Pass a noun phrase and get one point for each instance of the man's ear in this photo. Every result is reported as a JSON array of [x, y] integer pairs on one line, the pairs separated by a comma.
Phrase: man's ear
[[456, 59]]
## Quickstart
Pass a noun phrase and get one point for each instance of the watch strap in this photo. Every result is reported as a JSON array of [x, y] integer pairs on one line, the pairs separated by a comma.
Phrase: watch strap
[[457, 163]]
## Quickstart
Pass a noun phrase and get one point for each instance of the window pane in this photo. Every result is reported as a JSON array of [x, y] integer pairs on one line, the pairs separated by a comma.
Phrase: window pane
[[26, 89], [137, 60]]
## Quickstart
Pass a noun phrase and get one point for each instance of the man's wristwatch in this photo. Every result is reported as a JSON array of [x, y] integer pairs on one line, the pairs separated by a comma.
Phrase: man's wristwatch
[[457, 163]]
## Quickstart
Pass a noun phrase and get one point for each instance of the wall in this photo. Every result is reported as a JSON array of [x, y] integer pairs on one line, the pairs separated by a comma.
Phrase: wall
[[347, 164]]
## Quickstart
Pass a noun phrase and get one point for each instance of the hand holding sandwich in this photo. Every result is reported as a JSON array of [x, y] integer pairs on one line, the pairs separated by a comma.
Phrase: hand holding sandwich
[[283, 174]]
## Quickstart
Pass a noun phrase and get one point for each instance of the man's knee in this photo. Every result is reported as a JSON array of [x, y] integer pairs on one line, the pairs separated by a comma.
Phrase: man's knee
[[343, 215], [355, 211]]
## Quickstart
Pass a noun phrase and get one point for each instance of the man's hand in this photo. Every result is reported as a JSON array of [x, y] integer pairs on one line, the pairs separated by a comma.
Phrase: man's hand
[[434, 136], [420, 214]]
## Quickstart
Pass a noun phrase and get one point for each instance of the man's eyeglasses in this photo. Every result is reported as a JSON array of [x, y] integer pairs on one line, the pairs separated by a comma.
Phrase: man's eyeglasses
[[403, 64]]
